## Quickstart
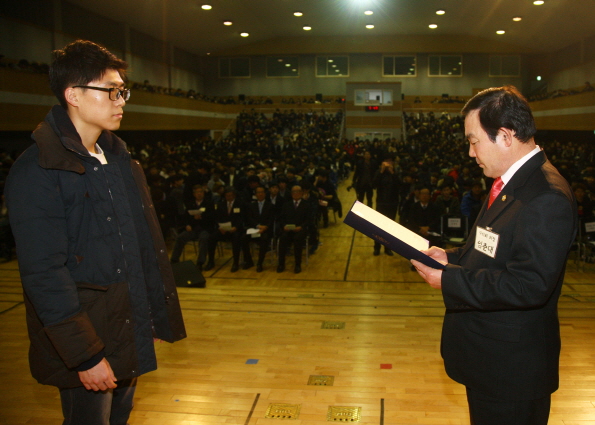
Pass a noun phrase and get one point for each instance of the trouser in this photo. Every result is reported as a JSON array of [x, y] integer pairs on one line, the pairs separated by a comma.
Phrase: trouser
[[183, 238], [287, 238], [236, 244], [485, 410], [85, 407], [368, 192], [264, 245]]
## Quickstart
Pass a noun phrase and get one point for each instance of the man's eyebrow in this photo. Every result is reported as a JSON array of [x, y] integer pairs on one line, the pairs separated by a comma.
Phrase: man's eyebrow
[[115, 84]]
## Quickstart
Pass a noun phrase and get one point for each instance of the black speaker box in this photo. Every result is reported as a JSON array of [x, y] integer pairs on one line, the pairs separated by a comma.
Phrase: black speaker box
[[241, 97], [187, 275], [319, 97]]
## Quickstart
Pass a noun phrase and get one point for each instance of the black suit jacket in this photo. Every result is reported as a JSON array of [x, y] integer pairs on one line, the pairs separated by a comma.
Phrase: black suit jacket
[[264, 218], [299, 216], [237, 213], [207, 217], [501, 333]]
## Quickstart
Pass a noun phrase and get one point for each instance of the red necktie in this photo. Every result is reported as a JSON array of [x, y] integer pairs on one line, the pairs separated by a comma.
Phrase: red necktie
[[495, 191]]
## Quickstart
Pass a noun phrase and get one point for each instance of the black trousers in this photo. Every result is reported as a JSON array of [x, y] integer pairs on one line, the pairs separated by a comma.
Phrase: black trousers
[[486, 410], [365, 191]]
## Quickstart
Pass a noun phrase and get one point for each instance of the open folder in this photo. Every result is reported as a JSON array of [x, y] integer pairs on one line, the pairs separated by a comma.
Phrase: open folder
[[389, 233]]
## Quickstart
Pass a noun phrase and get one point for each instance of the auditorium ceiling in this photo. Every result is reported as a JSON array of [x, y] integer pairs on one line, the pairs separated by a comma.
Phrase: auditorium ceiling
[[339, 26]]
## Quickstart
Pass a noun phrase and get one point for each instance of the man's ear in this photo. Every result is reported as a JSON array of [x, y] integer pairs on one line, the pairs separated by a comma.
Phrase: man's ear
[[507, 136], [71, 96]]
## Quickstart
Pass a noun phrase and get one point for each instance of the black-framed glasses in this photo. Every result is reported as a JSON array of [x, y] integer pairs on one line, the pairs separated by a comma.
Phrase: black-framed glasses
[[114, 92]]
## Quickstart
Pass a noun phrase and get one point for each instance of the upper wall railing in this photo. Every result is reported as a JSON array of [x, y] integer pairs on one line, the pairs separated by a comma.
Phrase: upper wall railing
[[26, 98]]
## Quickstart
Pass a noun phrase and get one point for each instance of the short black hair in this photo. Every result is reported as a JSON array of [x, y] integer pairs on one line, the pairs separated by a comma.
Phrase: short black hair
[[503, 107], [79, 63]]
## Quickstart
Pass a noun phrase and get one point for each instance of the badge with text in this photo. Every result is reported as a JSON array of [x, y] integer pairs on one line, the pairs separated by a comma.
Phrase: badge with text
[[486, 241]]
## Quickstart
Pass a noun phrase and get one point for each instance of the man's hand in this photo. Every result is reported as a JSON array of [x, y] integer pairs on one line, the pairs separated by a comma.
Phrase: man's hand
[[99, 378], [429, 274]]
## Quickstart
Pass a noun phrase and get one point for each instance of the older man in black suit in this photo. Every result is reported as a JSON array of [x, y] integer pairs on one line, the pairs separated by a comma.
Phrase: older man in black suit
[[501, 335], [230, 219], [260, 215], [295, 219]]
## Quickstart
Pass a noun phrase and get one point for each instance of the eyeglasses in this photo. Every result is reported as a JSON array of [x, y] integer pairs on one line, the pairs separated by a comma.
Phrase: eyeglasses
[[114, 92]]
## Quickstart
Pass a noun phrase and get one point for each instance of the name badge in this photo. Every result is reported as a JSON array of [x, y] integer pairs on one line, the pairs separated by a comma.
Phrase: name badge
[[236, 210], [486, 241]]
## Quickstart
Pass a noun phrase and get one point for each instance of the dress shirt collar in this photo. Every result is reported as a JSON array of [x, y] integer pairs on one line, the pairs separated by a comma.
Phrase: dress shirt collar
[[515, 167]]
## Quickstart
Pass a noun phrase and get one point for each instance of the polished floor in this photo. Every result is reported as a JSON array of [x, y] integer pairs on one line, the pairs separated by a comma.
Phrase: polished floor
[[354, 337]]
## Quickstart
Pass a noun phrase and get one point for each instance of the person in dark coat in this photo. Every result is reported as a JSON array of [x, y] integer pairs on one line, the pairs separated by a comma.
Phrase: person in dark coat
[[260, 215], [363, 177], [98, 286], [199, 225], [387, 184], [295, 219], [424, 218], [230, 220], [501, 333]]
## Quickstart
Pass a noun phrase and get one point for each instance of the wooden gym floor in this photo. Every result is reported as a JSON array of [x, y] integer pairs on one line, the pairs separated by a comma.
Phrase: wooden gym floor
[[262, 346]]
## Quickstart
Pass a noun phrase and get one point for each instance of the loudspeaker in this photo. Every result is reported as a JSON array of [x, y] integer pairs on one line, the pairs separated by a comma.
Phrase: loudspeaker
[[187, 275], [319, 97], [242, 97]]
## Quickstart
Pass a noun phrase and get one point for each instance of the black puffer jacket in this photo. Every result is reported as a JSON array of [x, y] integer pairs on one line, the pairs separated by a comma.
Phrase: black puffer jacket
[[93, 262]]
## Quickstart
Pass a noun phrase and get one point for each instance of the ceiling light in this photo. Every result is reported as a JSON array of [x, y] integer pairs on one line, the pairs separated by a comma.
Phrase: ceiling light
[[298, 13], [440, 12], [306, 28], [369, 26], [538, 2], [244, 34], [517, 18], [368, 12], [206, 7], [500, 32], [227, 23], [288, 64], [433, 26], [331, 60]]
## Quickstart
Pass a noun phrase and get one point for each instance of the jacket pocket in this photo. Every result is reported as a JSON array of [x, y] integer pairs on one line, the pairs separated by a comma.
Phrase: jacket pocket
[[108, 308], [495, 330]]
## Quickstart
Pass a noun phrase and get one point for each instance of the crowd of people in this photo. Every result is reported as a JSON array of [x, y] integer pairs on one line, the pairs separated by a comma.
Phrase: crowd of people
[[417, 181], [544, 94]]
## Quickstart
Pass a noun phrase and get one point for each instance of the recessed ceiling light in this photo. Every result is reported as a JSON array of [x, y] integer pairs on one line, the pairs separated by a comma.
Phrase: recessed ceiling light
[[500, 32], [331, 60], [244, 34], [206, 7], [298, 13], [227, 23], [433, 26], [440, 12], [306, 28], [369, 26], [538, 2], [287, 64], [517, 18], [368, 12]]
